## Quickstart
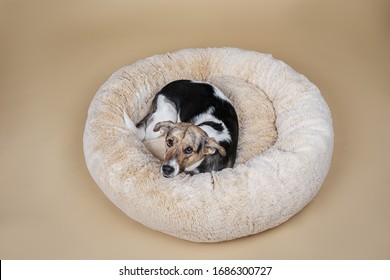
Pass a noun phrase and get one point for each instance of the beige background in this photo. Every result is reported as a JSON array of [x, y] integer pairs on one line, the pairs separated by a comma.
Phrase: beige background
[[56, 54]]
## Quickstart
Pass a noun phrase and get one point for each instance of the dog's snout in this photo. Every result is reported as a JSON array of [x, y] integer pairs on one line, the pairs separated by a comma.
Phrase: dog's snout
[[167, 170]]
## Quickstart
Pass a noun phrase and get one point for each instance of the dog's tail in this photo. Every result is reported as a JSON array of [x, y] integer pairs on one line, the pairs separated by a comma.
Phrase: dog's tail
[[139, 132]]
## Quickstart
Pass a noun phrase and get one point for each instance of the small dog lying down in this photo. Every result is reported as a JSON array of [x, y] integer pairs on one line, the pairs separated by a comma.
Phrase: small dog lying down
[[200, 127]]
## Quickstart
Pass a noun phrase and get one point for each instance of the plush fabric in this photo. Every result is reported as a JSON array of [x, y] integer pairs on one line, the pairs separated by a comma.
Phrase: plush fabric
[[284, 153]]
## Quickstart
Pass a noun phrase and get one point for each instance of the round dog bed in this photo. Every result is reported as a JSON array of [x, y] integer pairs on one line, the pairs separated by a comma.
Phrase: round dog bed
[[284, 151]]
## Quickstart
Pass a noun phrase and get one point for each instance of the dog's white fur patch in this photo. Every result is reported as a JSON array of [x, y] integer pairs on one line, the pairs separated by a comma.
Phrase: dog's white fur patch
[[194, 166], [204, 117], [166, 111], [207, 116], [219, 136]]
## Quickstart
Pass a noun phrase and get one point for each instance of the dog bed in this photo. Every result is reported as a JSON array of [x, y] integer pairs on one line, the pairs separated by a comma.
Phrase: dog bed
[[284, 151]]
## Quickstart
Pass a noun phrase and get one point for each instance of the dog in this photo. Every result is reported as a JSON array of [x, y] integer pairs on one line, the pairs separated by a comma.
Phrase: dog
[[200, 126]]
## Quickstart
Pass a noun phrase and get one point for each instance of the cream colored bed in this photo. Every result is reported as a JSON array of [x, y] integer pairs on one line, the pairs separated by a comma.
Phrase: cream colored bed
[[284, 153]]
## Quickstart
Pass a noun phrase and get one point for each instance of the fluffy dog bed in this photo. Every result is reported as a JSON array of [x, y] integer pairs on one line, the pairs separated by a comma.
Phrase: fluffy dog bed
[[285, 146]]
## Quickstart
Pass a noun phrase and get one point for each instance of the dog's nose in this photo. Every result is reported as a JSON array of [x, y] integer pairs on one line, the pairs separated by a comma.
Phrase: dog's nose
[[167, 170]]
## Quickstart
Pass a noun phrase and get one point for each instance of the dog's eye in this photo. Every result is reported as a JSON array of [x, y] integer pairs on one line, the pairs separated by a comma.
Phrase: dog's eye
[[188, 150], [169, 142]]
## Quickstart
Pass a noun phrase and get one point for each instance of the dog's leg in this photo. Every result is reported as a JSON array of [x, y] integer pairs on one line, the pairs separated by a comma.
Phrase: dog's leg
[[162, 110], [165, 111]]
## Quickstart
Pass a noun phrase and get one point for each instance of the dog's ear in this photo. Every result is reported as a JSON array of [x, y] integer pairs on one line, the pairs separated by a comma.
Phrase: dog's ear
[[212, 146], [163, 127]]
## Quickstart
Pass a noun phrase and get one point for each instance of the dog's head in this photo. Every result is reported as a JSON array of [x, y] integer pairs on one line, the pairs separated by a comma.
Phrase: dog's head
[[186, 147]]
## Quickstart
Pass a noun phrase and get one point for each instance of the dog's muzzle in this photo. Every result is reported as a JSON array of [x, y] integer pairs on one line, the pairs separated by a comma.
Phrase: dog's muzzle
[[170, 168]]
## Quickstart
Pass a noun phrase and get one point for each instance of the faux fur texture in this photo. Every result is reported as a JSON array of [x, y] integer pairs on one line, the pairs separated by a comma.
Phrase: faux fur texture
[[284, 153]]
